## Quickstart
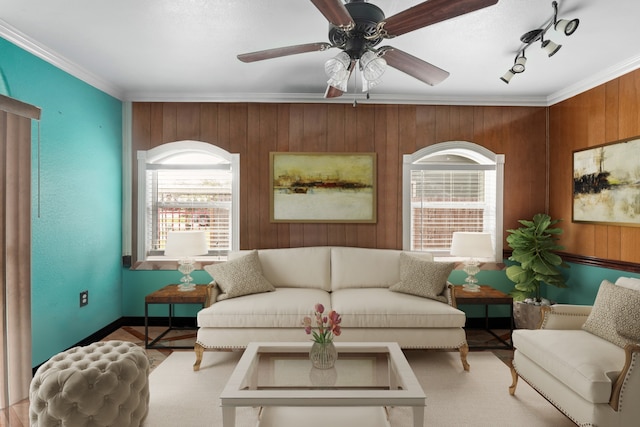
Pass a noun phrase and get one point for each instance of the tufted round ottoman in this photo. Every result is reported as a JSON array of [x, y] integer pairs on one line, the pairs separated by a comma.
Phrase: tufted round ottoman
[[102, 384]]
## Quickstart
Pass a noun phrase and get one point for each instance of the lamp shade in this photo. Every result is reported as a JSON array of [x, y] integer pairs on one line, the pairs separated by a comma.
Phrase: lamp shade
[[472, 244], [186, 244]]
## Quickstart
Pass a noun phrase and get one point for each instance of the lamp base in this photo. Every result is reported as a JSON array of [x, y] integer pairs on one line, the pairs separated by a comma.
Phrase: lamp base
[[184, 287], [471, 287]]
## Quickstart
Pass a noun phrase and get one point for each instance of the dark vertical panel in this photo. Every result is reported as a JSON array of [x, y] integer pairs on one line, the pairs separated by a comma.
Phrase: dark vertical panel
[[169, 122], [188, 121]]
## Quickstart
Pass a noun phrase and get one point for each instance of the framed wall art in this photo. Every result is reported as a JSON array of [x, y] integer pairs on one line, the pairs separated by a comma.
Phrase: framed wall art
[[606, 183], [323, 187]]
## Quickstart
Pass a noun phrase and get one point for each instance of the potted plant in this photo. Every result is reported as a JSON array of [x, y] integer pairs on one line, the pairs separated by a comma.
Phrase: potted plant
[[534, 245]]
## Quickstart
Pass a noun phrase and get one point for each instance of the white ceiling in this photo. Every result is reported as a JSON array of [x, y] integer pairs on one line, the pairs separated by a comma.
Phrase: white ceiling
[[185, 50]]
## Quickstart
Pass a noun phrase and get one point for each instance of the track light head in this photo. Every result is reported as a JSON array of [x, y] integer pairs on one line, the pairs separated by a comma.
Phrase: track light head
[[567, 26], [507, 76], [550, 47], [519, 64]]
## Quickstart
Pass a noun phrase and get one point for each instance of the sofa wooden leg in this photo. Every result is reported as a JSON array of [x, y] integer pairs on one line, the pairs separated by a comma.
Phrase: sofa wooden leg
[[199, 353], [514, 383], [464, 351]]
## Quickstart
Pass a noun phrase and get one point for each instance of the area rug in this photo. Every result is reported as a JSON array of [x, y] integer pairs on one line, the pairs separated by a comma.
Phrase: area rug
[[181, 397]]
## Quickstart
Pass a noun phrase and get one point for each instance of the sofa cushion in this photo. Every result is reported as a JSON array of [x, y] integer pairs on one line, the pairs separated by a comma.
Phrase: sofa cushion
[[382, 308], [296, 267], [366, 268], [582, 361], [238, 277], [615, 315], [423, 278], [283, 308]]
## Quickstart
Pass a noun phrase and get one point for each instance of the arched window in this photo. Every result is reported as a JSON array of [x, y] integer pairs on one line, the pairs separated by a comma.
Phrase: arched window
[[188, 185], [447, 187]]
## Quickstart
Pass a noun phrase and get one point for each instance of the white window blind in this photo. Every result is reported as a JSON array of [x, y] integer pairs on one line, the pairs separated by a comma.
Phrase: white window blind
[[447, 190], [190, 198]]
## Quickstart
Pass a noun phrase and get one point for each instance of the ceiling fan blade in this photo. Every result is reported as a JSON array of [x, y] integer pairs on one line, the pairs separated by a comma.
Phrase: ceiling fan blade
[[431, 12], [415, 67], [335, 12], [283, 51]]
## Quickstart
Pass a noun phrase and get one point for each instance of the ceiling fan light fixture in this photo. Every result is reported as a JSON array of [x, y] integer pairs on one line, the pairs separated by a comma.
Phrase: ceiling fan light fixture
[[340, 84], [372, 66], [567, 26], [337, 68], [550, 47]]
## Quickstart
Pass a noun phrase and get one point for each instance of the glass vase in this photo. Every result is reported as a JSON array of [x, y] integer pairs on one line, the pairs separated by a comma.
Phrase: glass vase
[[323, 355]]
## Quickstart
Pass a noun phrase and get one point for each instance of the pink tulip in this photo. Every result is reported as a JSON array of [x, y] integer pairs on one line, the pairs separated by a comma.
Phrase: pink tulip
[[319, 308]]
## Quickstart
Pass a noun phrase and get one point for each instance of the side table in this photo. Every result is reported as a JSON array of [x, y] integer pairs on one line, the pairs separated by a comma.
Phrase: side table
[[171, 295], [487, 296]]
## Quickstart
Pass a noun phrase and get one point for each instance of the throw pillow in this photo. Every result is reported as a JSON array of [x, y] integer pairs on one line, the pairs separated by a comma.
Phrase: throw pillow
[[423, 278], [238, 277], [615, 316]]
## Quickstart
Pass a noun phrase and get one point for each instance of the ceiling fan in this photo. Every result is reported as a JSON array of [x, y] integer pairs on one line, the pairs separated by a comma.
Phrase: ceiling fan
[[357, 27]]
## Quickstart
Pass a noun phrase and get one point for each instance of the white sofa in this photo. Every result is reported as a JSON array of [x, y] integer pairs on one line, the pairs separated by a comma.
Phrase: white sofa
[[353, 281], [585, 360]]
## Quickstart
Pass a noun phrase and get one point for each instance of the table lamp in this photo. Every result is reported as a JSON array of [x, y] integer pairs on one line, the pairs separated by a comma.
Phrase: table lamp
[[472, 245], [185, 245]]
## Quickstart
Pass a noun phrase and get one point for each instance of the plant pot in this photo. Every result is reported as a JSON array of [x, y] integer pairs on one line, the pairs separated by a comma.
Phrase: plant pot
[[526, 315], [323, 355]]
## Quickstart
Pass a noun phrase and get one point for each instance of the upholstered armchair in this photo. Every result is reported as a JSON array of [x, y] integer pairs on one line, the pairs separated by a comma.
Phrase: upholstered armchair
[[585, 360]]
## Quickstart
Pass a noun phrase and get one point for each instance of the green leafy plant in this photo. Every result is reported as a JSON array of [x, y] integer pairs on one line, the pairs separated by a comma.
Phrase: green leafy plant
[[534, 245]]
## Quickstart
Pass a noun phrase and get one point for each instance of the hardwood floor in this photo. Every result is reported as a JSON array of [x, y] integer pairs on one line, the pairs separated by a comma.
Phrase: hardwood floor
[[18, 414]]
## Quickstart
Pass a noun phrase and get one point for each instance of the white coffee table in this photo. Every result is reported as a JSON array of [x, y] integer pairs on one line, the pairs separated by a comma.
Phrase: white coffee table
[[279, 378]]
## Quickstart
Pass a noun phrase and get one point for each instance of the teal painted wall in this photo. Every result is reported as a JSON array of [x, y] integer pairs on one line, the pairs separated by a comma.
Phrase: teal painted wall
[[76, 209]]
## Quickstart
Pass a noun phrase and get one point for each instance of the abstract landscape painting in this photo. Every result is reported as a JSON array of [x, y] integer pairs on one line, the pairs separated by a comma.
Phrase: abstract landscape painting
[[323, 187], [606, 184]]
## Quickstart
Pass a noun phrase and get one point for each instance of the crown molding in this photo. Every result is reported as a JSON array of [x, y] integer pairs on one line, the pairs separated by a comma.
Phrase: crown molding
[[23, 41], [597, 79]]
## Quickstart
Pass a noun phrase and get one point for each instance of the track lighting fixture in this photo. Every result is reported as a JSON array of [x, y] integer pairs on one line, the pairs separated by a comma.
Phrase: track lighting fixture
[[564, 26]]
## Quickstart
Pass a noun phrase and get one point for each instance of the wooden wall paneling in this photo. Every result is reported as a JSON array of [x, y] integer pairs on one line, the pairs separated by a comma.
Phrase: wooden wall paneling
[[336, 123], [209, 126], [282, 144], [630, 245], [169, 122], [157, 117], [315, 140], [188, 124], [296, 144], [365, 131], [612, 110], [350, 146], [385, 174], [238, 137], [268, 143], [253, 182], [629, 95], [253, 130]]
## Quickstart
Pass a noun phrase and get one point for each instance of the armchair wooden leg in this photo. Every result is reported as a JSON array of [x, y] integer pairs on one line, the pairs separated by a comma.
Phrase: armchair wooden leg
[[199, 353], [514, 376], [464, 351]]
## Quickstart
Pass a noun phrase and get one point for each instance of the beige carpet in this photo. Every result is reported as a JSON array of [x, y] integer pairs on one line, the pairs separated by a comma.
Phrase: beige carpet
[[181, 397]]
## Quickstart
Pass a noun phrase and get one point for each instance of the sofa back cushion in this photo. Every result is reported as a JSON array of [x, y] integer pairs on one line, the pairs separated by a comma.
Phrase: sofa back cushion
[[367, 268], [295, 267]]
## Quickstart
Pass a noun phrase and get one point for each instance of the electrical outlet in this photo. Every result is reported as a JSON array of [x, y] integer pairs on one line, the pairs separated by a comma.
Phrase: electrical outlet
[[84, 298]]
